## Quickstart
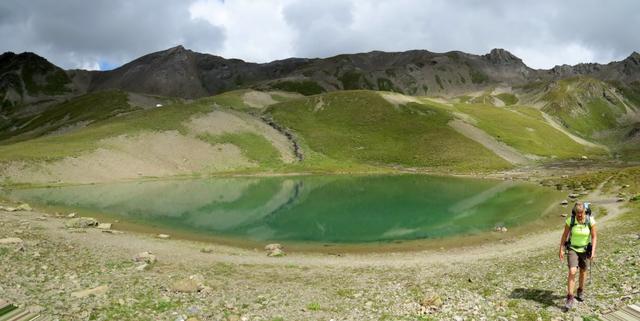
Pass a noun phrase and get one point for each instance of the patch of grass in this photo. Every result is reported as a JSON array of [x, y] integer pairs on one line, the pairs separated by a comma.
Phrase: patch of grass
[[477, 76], [579, 104], [346, 293], [385, 84], [253, 146], [362, 127], [305, 87], [92, 107], [229, 99], [47, 148], [54, 82], [350, 80], [313, 306], [524, 132], [507, 98]]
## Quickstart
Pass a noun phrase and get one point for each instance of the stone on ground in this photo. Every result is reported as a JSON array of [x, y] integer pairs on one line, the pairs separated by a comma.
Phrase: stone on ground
[[146, 257], [81, 222], [100, 290]]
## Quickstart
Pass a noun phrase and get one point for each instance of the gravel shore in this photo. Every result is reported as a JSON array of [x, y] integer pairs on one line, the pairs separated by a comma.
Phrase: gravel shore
[[96, 274]]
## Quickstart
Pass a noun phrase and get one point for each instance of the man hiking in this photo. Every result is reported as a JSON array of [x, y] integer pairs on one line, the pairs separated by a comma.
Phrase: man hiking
[[579, 240]]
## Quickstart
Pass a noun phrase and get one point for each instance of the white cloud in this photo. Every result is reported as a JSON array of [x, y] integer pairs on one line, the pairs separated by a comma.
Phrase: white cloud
[[255, 30]]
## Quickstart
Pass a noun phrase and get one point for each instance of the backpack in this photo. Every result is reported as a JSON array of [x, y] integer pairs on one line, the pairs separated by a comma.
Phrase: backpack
[[573, 223]]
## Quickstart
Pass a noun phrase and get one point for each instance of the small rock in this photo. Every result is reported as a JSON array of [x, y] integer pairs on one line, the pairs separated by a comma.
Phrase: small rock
[[206, 250], [112, 232], [142, 267], [24, 207], [163, 236], [620, 199], [81, 222], [573, 195], [584, 157], [71, 215], [100, 290], [563, 215], [10, 240], [625, 186], [104, 226], [274, 250], [146, 257], [8, 208], [271, 247], [564, 202], [276, 253]]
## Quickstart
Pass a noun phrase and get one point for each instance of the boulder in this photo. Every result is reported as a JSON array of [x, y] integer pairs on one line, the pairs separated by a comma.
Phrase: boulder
[[274, 250], [8, 208], [81, 222], [146, 257], [104, 226], [276, 253]]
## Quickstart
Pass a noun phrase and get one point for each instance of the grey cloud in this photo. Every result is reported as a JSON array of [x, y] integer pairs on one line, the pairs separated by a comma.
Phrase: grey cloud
[[73, 32], [607, 29], [322, 28]]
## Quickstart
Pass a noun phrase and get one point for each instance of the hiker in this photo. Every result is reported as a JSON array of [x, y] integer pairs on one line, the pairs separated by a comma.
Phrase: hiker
[[579, 240]]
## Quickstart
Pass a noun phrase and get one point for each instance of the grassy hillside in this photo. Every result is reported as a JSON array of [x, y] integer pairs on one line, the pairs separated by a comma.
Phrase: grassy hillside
[[524, 129], [361, 126], [585, 106], [78, 111]]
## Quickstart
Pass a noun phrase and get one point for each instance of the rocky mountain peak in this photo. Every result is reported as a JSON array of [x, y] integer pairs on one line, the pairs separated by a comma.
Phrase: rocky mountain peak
[[502, 56], [634, 57]]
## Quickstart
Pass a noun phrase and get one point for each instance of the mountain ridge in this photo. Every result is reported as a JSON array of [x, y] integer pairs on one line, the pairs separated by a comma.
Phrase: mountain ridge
[[180, 72]]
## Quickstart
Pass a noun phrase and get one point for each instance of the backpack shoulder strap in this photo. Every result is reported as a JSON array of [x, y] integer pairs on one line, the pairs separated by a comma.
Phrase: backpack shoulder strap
[[573, 221]]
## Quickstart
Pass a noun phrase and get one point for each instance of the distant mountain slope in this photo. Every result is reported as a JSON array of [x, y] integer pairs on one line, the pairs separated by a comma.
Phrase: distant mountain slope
[[27, 77], [178, 72]]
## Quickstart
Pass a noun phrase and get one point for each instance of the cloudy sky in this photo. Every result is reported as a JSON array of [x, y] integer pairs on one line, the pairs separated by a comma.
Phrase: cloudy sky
[[102, 34]]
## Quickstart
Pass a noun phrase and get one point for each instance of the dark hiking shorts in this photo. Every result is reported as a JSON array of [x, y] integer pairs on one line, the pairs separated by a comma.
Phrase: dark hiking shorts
[[575, 259]]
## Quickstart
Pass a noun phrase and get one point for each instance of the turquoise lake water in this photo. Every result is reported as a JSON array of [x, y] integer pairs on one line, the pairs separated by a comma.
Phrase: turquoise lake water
[[328, 209]]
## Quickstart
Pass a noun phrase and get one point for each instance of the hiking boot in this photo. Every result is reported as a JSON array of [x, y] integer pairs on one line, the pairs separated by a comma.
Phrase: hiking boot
[[580, 295], [570, 301]]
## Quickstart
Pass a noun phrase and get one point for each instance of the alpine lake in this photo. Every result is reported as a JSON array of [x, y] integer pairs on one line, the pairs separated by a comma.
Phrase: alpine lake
[[311, 211]]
